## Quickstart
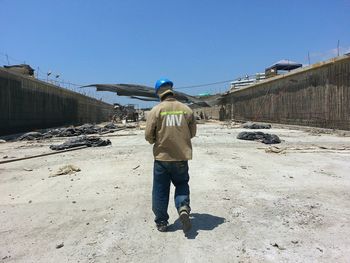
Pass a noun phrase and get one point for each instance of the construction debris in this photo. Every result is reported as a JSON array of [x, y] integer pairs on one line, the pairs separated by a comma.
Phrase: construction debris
[[136, 167], [60, 245], [29, 136], [69, 132], [274, 149], [277, 246], [232, 124], [306, 149], [259, 136], [253, 125], [67, 169], [110, 126], [83, 140], [38, 155], [131, 125]]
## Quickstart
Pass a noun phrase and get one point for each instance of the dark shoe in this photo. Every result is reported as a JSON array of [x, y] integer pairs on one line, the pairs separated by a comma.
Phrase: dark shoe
[[184, 215], [162, 226]]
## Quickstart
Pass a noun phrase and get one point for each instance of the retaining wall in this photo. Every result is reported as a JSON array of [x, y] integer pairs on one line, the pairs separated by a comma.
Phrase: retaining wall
[[27, 104], [318, 96]]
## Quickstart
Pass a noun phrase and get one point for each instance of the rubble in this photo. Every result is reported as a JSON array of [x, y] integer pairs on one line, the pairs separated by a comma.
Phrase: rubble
[[60, 245], [69, 132], [307, 149], [136, 167], [274, 149], [277, 246], [67, 169], [29, 136], [110, 126], [83, 140], [259, 136], [253, 125], [232, 124]]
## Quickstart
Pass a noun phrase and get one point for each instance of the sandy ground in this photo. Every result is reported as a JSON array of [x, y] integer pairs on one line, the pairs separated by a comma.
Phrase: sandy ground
[[248, 205]]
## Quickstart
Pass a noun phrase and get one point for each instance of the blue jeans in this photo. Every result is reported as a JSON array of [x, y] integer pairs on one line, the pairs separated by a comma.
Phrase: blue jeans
[[163, 174]]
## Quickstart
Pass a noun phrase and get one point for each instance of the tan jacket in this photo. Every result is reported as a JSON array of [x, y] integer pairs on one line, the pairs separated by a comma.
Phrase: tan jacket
[[170, 126]]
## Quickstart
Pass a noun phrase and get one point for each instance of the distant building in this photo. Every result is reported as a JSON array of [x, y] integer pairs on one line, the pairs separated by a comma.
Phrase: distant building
[[247, 80], [282, 65]]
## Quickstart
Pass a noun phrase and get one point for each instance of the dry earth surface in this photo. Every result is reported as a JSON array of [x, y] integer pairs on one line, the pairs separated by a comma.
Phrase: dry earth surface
[[248, 205]]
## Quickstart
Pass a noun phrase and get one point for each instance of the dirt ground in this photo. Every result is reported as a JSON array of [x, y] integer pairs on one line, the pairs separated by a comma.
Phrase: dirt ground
[[248, 205]]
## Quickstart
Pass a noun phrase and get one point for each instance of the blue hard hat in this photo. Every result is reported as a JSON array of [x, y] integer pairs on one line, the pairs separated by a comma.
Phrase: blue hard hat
[[162, 82]]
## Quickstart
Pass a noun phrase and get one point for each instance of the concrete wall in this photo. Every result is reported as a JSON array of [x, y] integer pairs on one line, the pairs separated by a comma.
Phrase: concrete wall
[[209, 112], [28, 104], [315, 96]]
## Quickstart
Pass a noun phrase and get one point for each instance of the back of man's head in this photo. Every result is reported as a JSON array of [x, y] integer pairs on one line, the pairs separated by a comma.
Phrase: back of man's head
[[164, 88]]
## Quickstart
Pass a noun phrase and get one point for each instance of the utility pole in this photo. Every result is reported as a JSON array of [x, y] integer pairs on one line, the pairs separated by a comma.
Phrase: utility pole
[[308, 57], [338, 47]]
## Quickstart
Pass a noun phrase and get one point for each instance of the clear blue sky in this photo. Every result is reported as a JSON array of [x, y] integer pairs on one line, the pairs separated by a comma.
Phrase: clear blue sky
[[188, 41]]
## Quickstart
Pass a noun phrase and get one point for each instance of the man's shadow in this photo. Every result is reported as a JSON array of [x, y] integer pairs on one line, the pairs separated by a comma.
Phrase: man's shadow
[[199, 222]]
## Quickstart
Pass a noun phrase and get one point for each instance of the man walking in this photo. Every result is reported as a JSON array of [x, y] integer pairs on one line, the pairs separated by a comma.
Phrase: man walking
[[170, 126]]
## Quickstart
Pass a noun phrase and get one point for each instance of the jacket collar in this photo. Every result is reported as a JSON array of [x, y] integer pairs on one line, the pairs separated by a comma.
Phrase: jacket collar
[[170, 99]]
